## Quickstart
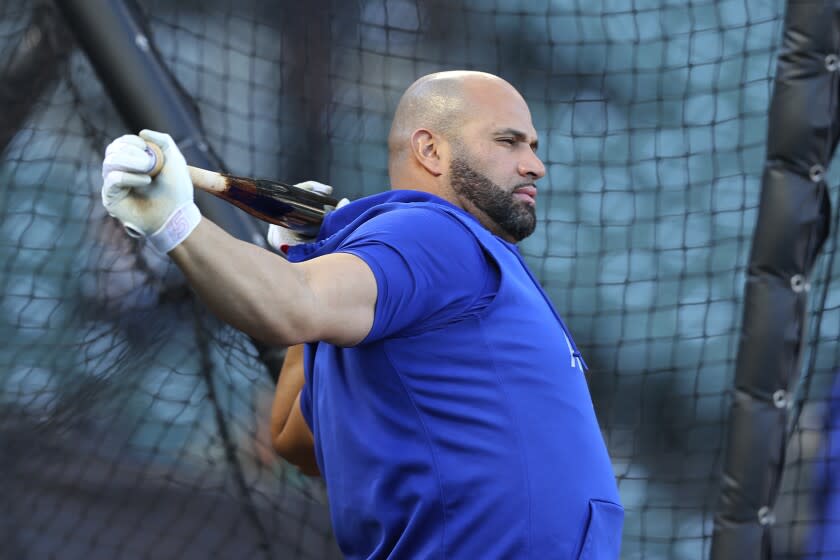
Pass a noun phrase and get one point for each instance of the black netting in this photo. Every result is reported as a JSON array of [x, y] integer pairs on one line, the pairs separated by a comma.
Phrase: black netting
[[132, 424]]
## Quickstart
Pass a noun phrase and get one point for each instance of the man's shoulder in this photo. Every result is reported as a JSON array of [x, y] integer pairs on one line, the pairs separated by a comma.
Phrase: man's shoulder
[[421, 220], [393, 218], [426, 223], [422, 211], [407, 203]]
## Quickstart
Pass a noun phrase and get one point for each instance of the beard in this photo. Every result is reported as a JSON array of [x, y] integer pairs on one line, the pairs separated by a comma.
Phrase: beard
[[516, 218]]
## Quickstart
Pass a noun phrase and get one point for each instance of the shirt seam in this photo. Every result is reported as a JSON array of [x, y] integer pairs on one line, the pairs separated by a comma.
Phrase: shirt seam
[[381, 289], [518, 431], [428, 443]]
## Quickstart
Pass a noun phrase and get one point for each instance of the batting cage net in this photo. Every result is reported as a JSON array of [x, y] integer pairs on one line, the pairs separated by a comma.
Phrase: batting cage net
[[135, 425]]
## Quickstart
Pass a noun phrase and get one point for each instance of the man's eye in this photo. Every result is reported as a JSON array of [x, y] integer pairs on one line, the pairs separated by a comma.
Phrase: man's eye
[[508, 141]]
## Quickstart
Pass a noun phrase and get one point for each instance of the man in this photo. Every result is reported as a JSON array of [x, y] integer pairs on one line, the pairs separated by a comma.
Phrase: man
[[444, 398]]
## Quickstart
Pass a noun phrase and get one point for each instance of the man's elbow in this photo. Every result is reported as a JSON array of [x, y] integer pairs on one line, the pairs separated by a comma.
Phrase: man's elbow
[[280, 443], [300, 455], [276, 429]]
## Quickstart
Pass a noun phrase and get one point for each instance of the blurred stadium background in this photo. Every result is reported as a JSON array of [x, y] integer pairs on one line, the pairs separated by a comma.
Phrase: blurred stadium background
[[132, 424]]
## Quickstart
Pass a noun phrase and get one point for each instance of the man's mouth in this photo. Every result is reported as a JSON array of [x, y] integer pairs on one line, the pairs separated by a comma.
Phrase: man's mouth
[[528, 193]]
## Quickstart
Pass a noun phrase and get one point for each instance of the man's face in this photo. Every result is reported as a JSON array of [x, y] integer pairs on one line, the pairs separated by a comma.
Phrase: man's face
[[494, 166], [511, 211]]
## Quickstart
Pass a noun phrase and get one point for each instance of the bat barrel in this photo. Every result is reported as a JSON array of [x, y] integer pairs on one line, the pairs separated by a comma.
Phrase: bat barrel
[[279, 203], [271, 201]]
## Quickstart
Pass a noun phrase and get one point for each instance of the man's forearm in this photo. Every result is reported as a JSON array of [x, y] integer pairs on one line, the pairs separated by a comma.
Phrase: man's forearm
[[290, 434], [289, 383], [246, 286]]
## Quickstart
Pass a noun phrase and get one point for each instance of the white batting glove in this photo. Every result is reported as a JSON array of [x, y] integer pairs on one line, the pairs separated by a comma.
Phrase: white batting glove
[[161, 209], [281, 238]]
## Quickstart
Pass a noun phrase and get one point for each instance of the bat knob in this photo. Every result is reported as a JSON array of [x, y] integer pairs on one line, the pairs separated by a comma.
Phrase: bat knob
[[157, 158]]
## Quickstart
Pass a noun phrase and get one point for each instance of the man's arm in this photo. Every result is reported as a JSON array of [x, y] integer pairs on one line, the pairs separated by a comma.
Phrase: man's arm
[[330, 298], [290, 434], [289, 383], [296, 444]]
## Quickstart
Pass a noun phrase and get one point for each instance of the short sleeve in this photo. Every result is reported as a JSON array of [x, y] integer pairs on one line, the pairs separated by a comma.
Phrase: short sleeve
[[430, 269]]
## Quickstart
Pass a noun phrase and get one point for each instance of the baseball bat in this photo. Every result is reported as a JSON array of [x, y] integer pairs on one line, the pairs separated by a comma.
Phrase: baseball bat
[[272, 201]]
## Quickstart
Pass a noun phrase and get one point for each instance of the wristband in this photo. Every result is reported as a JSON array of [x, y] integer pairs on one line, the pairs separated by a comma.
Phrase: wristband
[[176, 228]]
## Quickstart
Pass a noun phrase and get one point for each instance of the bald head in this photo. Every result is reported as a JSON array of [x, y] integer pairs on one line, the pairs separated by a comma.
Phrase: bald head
[[467, 137], [439, 102]]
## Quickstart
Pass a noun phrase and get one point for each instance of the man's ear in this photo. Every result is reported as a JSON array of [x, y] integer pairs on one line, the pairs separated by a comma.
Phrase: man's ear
[[429, 151]]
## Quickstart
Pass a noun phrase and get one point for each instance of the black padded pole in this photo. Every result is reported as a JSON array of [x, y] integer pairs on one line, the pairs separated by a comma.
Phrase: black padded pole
[[115, 39], [113, 35], [792, 225]]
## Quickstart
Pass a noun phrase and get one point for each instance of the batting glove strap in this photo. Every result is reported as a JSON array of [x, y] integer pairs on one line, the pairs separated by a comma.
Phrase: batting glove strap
[[176, 228]]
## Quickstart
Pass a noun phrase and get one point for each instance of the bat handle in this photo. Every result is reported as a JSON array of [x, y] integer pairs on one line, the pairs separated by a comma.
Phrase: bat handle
[[201, 178], [157, 154]]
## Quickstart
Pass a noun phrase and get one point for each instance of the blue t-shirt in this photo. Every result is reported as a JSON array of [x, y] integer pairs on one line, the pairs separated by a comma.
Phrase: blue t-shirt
[[461, 427]]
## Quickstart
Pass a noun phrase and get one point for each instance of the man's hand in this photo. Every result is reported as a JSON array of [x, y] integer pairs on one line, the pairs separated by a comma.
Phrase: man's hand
[[160, 208], [281, 238]]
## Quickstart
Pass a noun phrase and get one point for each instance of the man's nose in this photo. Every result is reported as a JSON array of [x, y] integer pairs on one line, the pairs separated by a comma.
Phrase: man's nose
[[532, 166]]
